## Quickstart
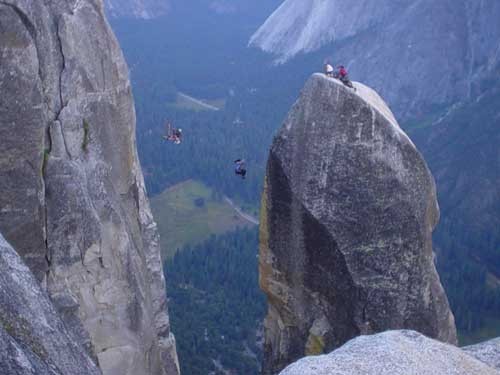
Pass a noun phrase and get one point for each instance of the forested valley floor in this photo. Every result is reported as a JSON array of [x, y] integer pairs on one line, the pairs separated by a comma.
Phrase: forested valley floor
[[173, 61]]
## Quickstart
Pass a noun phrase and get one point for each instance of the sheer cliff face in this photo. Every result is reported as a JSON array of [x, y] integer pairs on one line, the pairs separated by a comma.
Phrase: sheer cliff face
[[145, 9], [73, 202], [347, 216], [416, 53], [33, 338]]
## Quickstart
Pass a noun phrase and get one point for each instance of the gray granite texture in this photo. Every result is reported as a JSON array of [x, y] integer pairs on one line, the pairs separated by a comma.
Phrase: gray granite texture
[[73, 202], [348, 211]]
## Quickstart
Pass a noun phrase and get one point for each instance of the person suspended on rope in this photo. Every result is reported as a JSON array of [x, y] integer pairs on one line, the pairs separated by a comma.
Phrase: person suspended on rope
[[239, 168], [177, 133], [173, 134]]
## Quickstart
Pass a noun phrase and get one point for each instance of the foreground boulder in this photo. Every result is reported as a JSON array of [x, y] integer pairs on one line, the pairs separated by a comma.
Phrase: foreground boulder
[[392, 353], [72, 200], [33, 338], [487, 352], [348, 211]]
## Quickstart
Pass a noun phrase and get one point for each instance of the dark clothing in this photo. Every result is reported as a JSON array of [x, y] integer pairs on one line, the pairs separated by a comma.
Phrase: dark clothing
[[240, 168], [346, 81], [241, 172]]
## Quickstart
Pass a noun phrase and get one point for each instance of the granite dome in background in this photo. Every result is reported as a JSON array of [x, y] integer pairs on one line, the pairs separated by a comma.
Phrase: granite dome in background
[[418, 54]]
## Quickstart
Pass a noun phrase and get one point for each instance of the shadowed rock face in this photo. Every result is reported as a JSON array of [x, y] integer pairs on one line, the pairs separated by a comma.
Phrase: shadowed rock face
[[33, 338], [395, 353], [73, 202], [347, 216]]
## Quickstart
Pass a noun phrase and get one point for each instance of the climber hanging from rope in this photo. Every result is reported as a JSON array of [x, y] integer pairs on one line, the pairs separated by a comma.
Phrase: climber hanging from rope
[[173, 134], [239, 168]]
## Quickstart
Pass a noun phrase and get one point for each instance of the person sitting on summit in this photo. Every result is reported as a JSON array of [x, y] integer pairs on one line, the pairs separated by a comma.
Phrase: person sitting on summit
[[343, 76], [342, 73]]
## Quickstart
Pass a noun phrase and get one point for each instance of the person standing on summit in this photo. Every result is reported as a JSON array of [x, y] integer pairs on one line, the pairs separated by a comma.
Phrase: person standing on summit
[[328, 70]]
